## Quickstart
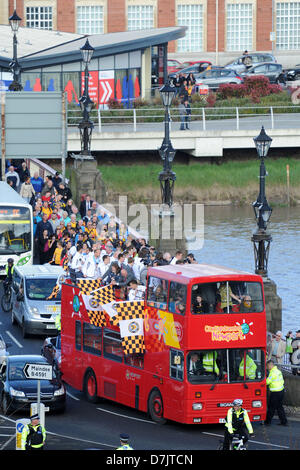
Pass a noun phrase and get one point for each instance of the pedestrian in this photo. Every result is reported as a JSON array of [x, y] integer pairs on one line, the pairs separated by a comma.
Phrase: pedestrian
[[24, 173], [33, 435], [182, 113], [296, 353], [289, 348], [237, 422], [13, 177], [277, 349], [27, 190], [37, 182], [124, 439], [275, 382], [188, 112]]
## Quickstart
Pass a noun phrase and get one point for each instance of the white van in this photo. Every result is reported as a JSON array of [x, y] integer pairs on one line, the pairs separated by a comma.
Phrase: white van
[[31, 307]]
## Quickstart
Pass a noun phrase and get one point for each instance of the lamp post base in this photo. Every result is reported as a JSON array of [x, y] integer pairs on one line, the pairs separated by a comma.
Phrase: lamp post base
[[85, 178]]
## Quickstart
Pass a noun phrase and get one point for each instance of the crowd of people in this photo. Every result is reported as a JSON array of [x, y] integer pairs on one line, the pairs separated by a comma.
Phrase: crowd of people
[[280, 347], [86, 239]]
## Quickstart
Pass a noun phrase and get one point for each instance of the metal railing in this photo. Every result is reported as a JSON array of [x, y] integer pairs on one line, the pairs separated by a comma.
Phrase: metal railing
[[232, 117]]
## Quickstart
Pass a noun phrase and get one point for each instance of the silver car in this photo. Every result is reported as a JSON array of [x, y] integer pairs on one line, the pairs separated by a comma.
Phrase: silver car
[[215, 77], [255, 58], [32, 306]]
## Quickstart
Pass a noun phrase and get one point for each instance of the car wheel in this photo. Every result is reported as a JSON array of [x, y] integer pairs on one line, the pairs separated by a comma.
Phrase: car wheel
[[156, 408], [5, 405], [13, 319], [90, 387], [24, 329]]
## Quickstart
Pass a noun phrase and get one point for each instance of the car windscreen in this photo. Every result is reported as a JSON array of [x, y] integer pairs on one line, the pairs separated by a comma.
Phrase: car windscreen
[[41, 289]]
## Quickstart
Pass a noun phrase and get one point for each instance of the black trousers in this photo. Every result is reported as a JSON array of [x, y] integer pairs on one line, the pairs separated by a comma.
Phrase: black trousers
[[242, 431], [275, 403]]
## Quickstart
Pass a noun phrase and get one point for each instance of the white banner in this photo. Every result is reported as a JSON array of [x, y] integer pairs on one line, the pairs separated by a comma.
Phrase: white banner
[[131, 327]]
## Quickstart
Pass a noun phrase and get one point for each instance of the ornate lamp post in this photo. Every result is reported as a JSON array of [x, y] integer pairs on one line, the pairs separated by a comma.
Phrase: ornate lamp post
[[15, 68], [261, 238], [86, 125], [167, 153]]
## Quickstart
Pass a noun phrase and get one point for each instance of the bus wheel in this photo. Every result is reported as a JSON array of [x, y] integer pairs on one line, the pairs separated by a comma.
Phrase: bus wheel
[[156, 408], [90, 387]]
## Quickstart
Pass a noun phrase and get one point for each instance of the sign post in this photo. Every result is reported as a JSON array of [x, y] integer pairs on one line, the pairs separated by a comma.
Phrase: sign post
[[39, 372]]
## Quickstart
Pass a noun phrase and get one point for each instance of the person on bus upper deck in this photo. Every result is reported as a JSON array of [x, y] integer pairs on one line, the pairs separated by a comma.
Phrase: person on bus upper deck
[[178, 256], [197, 306], [223, 294]]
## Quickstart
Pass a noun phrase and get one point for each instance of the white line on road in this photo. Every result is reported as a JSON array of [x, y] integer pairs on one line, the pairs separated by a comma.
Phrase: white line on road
[[255, 442], [72, 396], [14, 339], [125, 416]]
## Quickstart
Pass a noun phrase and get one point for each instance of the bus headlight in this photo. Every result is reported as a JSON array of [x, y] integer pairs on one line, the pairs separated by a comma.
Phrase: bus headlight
[[197, 406], [257, 404]]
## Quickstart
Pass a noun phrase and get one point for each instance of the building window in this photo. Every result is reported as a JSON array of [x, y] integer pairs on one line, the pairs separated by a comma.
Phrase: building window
[[90, 19], [288, 25], [39, 17], [239, 26], [192, 17], [140, 17]]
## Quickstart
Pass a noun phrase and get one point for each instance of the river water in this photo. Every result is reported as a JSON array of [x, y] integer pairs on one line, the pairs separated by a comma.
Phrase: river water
[[227, 241]]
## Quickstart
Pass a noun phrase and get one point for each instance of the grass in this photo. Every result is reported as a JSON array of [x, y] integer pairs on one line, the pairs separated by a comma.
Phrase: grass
[[235, 180]]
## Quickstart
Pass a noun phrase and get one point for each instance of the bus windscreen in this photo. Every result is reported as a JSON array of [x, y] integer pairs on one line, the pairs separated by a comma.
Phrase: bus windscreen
[[15, 230]]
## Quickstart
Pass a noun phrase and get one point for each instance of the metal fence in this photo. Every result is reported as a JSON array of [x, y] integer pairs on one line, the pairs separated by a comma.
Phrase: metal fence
[[229, 118]]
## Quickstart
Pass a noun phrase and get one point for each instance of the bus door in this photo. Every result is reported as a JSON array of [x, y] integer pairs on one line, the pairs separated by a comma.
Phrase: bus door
[[176, 384]]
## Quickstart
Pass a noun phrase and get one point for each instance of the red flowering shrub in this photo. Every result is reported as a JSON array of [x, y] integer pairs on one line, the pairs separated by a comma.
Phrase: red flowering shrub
[[211, 99], [254, 87]]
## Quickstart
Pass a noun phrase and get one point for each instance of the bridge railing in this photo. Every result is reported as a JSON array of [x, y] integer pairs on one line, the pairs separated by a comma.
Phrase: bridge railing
[[139, 118]]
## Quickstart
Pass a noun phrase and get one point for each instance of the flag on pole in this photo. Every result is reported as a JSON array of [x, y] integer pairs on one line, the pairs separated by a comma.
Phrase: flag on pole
[[54, 292], [87, 286], [130, 317], [104, 295]]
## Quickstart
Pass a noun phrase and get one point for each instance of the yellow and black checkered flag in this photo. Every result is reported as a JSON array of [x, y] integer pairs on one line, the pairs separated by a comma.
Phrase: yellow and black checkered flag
[[104, 295], [54, 292], [97, 318], [87, 286], [130, 317]]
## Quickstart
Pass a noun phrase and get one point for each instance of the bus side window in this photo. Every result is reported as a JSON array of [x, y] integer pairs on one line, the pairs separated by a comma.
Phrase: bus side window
[[92, 339], [112, 345], [135, 360], [157, 292], [78, 335], [177, 298], [176, 364]]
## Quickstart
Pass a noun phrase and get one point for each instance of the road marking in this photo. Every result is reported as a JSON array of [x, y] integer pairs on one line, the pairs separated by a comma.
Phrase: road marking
[[255, 442], [125, 416], [72, 396], [14, 339]]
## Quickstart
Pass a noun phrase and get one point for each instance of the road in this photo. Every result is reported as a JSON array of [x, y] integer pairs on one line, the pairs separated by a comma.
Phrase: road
[[86, 426]]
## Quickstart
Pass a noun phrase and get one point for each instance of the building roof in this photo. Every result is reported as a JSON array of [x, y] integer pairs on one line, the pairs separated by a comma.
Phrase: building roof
[[45, 48]]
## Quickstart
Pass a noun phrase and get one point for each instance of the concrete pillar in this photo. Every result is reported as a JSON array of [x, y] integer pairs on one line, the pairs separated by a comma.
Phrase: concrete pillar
[[85, 178], [273, 306]]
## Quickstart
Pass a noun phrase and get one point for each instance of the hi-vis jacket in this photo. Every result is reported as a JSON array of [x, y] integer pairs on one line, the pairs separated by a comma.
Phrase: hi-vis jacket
[[235, 419], [33, 437], [275, 380]]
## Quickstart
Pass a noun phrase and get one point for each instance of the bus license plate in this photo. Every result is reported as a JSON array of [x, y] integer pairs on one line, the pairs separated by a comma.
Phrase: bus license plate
[[222, 420]]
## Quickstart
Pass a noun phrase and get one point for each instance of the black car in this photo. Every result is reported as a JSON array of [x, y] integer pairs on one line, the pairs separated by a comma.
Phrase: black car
[[294, 73], [270, 70], [18, 393]]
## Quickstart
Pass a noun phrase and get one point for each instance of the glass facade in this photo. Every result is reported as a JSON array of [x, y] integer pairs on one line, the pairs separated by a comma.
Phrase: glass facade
[[288, 25], [90, 19], [140, 17], [191, 15], [39, 17], [239, 26]]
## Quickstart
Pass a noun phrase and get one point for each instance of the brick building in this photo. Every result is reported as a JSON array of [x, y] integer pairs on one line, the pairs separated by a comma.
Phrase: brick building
[[221, 27]]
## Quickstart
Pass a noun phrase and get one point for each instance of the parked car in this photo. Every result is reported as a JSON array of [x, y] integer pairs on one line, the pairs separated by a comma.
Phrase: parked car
[[18, 393], [196, 68], [215, 77], [173, 65], [256, 59], [189, 63], [293, 74], [51, 350], [273, 71]]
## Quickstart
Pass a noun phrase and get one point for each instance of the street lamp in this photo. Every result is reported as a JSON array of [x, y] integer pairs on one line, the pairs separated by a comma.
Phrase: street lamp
[[167, 153], [14, 66], [261, 238], [86, 125]]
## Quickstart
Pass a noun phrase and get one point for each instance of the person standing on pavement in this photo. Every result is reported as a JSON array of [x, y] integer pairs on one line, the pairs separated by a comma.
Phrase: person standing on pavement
[[275, 382], [33, 435], [124, 438], [278, 348]]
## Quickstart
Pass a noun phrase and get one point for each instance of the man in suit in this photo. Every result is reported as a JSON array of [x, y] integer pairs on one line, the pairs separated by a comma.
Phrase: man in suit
[[195, 366], [85, 205]]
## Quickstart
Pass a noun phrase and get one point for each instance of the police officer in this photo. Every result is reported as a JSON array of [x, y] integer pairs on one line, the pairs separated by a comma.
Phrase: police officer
[[275, 382], [58, 322], [124, 438], [33, 435], [237, 422]]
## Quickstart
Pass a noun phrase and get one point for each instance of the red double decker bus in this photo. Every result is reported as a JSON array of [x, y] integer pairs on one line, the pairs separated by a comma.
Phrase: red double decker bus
[[204, 339]]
